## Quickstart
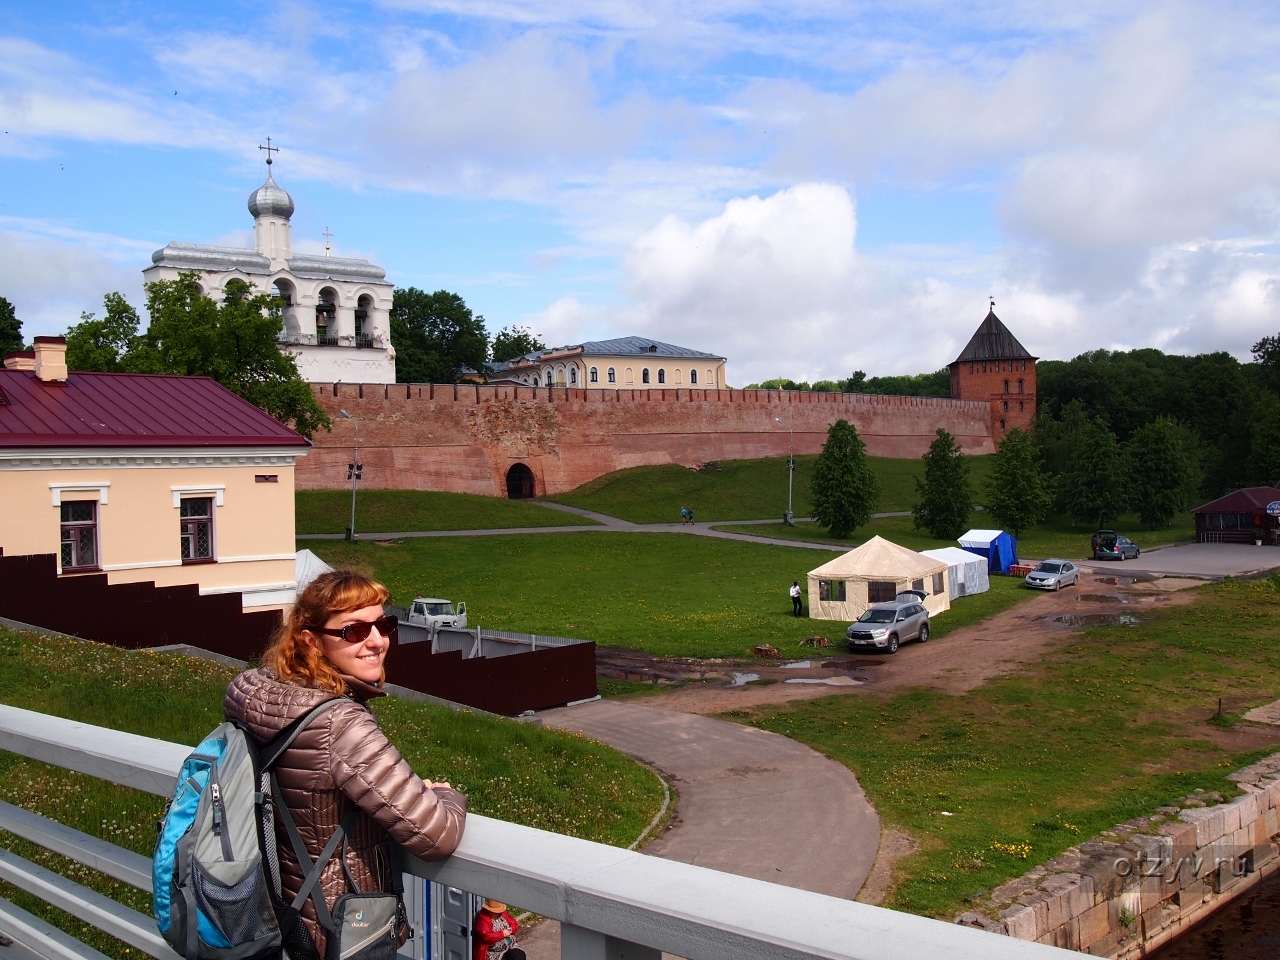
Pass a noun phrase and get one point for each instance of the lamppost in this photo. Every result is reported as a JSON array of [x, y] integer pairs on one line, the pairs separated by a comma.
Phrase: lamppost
[[354, 470], [789, 520]]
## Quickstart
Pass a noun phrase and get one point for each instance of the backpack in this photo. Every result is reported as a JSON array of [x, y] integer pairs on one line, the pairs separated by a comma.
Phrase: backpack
[[216, 892]]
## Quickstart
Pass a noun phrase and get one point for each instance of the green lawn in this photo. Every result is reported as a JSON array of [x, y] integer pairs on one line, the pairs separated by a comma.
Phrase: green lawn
[[738, 489], [1056, 538], [1011, 774], [669, 594], [400, 511], [514, 771]]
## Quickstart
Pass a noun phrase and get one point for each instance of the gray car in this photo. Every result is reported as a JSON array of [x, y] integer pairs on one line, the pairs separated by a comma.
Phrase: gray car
[[883, 626], [1053, 575]]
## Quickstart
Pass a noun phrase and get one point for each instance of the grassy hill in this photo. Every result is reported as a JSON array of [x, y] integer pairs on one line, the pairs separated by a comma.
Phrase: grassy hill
[[402, 511], [739, 489]]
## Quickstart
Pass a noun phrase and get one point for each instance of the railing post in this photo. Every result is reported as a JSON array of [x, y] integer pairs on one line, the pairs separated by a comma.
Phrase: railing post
[[579, 943]]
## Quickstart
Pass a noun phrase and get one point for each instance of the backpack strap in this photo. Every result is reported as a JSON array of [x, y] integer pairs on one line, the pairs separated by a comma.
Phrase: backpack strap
[[270, 752], [311, 885]]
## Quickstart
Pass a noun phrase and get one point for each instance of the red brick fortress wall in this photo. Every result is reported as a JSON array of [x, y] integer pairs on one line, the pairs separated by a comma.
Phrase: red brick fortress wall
[[987, 383], [465, 437]]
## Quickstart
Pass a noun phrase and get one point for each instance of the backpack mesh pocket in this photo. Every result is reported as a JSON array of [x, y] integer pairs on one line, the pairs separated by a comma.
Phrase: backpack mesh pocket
[[241, 911]]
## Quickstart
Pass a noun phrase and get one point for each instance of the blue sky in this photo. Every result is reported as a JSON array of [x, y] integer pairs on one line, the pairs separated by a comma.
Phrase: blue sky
[[807, 187]]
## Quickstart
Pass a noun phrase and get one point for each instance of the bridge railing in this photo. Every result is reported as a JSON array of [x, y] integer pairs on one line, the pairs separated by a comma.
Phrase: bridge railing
[[612, 904]]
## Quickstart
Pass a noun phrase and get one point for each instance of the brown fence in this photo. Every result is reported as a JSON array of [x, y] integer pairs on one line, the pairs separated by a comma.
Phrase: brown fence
[[135, 615]]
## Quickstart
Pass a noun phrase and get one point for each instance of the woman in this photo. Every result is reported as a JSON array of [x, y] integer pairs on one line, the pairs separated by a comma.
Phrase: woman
[[495, 933], [341, 768]]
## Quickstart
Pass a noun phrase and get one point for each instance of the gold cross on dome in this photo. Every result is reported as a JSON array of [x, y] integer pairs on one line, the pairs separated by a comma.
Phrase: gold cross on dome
[[270, 150]]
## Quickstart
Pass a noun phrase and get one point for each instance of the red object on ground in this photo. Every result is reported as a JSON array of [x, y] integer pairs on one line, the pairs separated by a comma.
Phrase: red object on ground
[[487, 934]]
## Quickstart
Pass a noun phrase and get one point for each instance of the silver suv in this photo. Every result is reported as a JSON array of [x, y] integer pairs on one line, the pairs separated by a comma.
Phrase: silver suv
[[885, 625]]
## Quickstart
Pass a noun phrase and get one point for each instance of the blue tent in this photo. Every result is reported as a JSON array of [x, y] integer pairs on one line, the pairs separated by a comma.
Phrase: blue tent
[[999, 549]]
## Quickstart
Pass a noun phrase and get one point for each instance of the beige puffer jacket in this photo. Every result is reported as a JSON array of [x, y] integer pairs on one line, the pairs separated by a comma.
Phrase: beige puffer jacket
[[343, 759]]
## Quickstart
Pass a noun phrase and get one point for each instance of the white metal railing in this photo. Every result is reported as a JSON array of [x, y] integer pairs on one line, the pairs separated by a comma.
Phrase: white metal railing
[[612, 903]]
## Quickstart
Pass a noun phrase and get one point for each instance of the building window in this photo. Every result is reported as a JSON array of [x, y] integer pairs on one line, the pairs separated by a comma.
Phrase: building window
[[1006, 386], [1024, 366], [644, 375], [711, 379], [662, 376], [197, 529], [595, 375], [984, 366], [613, 376], [833, 590], [1020, 406], [937, 584], [693, 377], [1001, 424], [631, 377], [573, 376], [1020, 385], [881, 591], [971, 366], [1006, 406], [79, 535]]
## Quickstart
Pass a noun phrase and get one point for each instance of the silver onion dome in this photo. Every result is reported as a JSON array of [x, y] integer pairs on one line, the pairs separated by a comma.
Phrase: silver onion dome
[[270, 201]]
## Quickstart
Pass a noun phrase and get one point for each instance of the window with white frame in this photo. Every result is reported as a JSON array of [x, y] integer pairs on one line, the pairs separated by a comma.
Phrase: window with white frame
[[595, 375], [573, 376], [693, 378], [613, 375], [196, 529], [662, 375], [79, 548], [644, 375]]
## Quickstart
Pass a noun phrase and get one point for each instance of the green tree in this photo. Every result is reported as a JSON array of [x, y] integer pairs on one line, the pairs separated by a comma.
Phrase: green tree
[[844, 488], [1264, 455], [1019, 494], [1266, 352], [1162, 474], [101, 345], [234, 342], [1095, 488], [435, 335], [10, 329], [511, 342], [946, 497]]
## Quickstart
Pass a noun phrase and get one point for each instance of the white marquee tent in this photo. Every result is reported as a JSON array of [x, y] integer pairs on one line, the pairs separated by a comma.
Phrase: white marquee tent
[[872, 573], [966, 572]]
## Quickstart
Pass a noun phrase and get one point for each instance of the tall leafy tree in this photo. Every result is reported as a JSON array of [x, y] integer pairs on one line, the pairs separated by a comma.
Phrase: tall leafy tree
[[1019, 496], [511, 342], [1095, 489], [10, 328], [1265, 448], [946, 497], [234, 342], [102, 344], [1162, 473], [1266, 353], [844, 489], [435, 336]]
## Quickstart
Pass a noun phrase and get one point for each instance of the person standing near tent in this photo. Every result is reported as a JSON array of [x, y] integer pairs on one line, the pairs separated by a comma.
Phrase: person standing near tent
[[797, 607]]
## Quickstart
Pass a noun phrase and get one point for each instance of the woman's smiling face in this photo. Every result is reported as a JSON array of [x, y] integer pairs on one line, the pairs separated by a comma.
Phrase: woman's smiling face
[[360, 660]]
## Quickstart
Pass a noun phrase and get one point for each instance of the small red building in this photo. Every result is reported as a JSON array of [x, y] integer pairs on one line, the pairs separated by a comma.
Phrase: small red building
[[1242, 516], [996, 368]]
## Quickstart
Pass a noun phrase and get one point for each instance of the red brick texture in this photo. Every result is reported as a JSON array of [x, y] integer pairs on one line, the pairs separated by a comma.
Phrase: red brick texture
[[465, 437], [1009, 389]]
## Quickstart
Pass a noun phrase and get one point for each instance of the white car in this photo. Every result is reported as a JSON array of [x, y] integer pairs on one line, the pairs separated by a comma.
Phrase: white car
[[1053, 575], [434, 612]]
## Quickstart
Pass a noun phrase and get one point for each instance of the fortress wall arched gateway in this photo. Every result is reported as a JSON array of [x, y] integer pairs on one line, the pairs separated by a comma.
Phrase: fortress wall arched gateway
[[465, 437]]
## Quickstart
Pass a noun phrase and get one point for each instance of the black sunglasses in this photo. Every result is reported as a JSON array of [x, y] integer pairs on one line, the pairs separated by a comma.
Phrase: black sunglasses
[[359, 631]]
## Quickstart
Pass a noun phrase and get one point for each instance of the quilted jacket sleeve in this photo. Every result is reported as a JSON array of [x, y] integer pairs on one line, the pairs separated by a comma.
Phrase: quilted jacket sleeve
[[425, 821]]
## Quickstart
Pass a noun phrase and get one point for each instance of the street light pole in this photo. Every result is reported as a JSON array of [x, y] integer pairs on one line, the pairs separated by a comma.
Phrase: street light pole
[[354, 469], [791, 468]]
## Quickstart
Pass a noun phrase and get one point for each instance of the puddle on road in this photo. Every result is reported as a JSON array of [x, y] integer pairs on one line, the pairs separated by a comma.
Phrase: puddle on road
[[1098, 620], [1100, 598], [742, 679]]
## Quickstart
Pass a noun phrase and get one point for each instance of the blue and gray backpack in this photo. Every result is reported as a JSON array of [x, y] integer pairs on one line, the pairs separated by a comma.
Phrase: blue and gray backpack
[[216, 873]]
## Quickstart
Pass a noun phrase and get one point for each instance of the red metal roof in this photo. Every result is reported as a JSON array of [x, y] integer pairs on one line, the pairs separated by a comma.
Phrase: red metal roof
[[1248, 500], [132, 410]]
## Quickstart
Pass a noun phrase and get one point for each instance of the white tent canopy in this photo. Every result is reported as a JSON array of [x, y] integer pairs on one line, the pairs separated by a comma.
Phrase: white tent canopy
[[978, 538], [967, 571], [876, 571], [307, 566]]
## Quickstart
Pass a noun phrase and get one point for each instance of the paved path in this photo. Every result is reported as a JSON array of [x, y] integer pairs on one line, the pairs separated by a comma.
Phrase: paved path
[[1212, 560], [749, 802]]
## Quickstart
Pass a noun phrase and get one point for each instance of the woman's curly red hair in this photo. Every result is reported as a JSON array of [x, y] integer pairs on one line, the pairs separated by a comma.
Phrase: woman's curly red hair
[[294, 659]]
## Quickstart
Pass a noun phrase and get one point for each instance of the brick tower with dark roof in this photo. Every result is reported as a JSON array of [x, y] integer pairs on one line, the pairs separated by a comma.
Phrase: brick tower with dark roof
[[996, 368]]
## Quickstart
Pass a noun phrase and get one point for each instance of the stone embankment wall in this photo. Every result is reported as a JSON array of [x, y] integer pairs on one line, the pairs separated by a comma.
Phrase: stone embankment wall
[[465, 437], [1137, 886]]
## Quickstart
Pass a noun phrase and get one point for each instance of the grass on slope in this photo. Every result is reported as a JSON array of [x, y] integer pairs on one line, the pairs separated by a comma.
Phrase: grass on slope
[[1056, 538], [1009, 775], [403, 511], [668, 594], [739, 489], [514, 771]]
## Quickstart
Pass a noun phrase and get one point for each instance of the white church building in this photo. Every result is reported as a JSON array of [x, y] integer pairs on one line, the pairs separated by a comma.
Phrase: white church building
[[336, 311]]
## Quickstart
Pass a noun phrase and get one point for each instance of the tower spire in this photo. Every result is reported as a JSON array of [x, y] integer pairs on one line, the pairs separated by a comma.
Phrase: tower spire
[[270, 150]]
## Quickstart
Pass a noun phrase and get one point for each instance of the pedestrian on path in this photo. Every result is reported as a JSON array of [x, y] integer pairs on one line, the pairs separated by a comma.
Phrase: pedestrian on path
[[797, 607], [495, 933]]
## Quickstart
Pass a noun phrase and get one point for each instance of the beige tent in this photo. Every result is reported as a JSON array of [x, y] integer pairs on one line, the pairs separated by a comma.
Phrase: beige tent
[[874, 573]]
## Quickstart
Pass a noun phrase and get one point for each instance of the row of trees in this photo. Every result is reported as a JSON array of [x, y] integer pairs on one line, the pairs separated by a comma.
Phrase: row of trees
[[936, 384]]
